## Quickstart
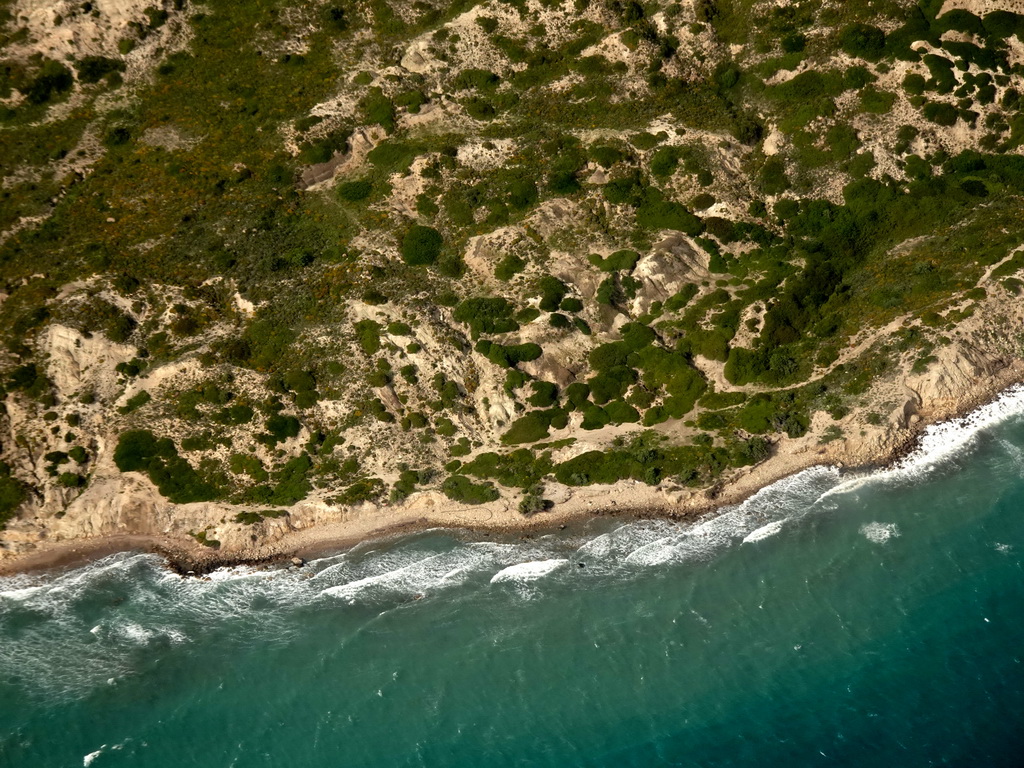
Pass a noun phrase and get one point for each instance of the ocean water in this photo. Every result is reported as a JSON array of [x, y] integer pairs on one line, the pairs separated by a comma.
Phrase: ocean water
[[830, 620]]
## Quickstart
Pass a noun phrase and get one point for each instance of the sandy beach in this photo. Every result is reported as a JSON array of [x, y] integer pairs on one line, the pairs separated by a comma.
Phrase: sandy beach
[[307, 536]]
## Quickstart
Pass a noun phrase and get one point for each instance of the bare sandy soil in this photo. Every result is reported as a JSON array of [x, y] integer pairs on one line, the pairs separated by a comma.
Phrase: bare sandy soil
[[310, 531]]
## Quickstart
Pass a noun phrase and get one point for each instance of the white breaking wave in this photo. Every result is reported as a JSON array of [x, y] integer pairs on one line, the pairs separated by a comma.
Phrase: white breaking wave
[[235, 572], [410, 574], [941, 442], [763, 532], [87, 760], [20, 595], [799, 491], [528, 571], [696, 542], [82, 628], [879, 533]]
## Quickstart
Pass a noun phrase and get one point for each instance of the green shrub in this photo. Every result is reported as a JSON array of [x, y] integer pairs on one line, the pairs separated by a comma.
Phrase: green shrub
[[379, 411], [368, 336], [715, 401], [117, 136], [135, 401], [703, 201], [672, 371], [141, 451], [862, 41], [487, 24], [517, 469], [52, 78], [621, 412], [280, 428], [612, 383], [533, 502], [646, 141], [475, 79], [292, 482], [12, 494], [92, 68], [486, 315], [509, 267], [561, 322], [914, 84], [421, 245], [512, 355], [354, 191], [393, 156], [877, 102], [576, 395], [362, 491], [594, 417], [71, 480], [460, 488], [527, 429], [545, 394], [377, 108], [445, 427], [681, 299], [552, 291], [522, 193], [664, 161], [773, 176], [334, 18], [242, 463], [606, 156], [659, 214], [941, 113], [460, 448], [620, 261], [412, 100], [941, 69]]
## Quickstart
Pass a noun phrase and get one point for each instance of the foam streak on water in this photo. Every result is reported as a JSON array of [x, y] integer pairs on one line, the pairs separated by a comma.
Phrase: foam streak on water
[[583, 649]]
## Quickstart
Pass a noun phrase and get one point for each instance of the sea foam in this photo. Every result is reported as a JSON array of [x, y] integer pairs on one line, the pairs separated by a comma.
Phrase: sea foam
[[763, 532], [941, 442], [879, 533], [83, 627], [522, 572]]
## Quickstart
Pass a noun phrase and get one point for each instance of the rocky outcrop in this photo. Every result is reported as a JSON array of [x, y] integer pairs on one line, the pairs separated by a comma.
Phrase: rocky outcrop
[[78, 362], [954, 374], [672, 263]]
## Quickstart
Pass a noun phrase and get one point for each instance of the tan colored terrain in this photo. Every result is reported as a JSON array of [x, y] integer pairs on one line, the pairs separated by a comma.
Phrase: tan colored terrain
[[124, 511]]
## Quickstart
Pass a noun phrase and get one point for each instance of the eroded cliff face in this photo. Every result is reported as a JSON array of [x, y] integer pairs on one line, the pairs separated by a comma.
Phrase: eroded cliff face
[[956, 376], [271, 267]]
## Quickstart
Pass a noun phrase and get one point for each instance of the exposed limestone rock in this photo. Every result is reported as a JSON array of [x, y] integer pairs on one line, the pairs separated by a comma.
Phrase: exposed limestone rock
[[673, 262], [951, 377], [77, 362]]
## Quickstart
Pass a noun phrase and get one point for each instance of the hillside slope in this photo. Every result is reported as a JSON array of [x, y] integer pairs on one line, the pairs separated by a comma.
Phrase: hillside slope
[[270, 266]]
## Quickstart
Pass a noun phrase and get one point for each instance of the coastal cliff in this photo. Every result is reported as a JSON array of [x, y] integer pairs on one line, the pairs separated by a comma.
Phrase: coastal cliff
[[277, 274], [125, 510]]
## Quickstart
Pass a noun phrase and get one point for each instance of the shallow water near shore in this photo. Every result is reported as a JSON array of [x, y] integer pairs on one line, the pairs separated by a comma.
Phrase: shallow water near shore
[[843, 620]]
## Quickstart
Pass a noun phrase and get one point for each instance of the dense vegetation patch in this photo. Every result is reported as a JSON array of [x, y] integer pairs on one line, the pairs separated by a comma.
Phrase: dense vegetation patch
[[141, 451], [338, 317]]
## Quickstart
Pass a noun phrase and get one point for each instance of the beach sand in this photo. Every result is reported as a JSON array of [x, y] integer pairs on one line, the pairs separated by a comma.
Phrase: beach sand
[[314, 531]]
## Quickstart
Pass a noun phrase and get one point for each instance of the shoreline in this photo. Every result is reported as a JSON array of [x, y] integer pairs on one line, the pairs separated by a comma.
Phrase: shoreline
[[187, 557]]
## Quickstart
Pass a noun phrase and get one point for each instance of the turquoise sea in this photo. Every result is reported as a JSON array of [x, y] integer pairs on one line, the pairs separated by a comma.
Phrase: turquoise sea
[[862, 620]]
